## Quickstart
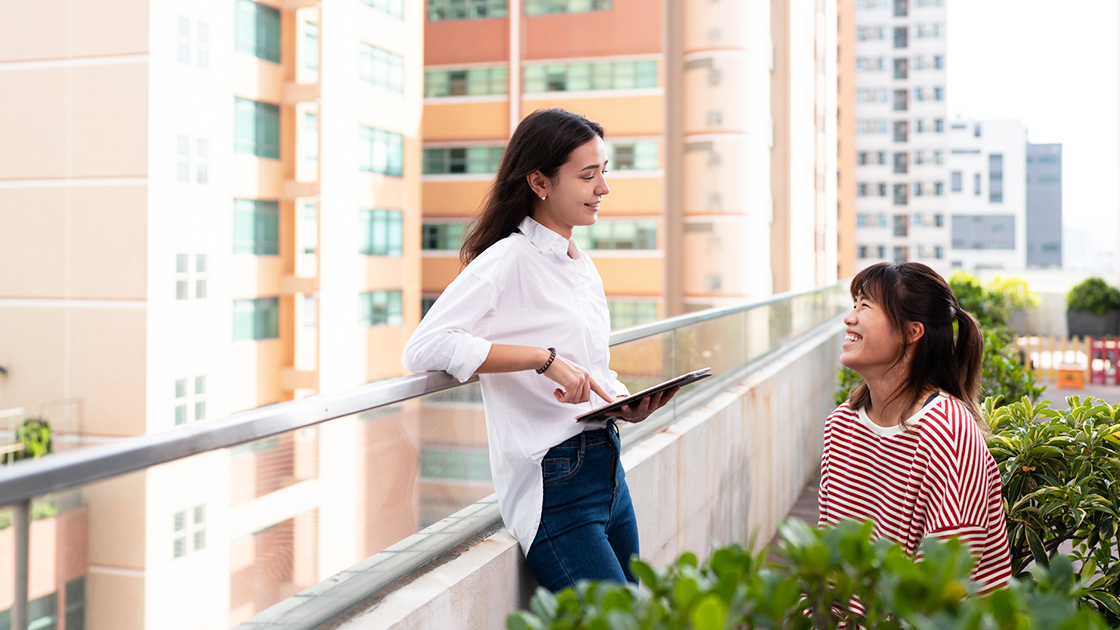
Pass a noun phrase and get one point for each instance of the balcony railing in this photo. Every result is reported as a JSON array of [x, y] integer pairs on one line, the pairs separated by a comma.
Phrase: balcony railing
[[288, 515]]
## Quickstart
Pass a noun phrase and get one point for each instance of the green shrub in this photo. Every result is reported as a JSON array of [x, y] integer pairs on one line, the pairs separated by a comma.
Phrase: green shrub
[[820, 572], [1061, 485], [1015, 291], [35, 435], [1093, 295], [848, 380], [1003, 375]]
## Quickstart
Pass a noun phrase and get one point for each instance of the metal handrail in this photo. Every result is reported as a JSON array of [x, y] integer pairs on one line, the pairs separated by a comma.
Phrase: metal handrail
[[82, 466]]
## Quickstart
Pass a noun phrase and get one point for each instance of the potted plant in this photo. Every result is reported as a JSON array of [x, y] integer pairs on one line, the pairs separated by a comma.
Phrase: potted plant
[[1094, 309]]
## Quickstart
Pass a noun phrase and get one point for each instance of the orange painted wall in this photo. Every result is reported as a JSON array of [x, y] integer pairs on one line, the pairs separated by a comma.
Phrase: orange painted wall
[[631, 276], [466, 41], [619, 116], [631, 197], [631, 27], [487, 121], [439, 271], [453, 198]]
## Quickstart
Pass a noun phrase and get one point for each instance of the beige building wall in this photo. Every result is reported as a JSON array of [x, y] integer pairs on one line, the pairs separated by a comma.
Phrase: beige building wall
[[846, 138]]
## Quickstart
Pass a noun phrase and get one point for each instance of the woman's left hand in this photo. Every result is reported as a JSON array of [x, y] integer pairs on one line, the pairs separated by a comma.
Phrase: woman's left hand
[[645, 407]]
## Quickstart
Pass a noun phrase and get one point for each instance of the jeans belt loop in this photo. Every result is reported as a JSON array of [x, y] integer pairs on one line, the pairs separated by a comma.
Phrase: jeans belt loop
[[582, 444]]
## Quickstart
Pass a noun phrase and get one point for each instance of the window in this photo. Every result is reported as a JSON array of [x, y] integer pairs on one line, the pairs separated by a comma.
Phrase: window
[[617, 235], [919, 189], [939, 189], [460, 160], [900, 100], [190, 531], [900, 37], [900, 8], [426, 303], [992, 231], [310, 311], [882, 251], [955, 181], [199, 398], [309, 229], [380, 308], [900, 194], [380, 151], [256, 227], [381, 69], [900, 223], [311, 46], [256, 128], [939, 156], [256, 319], [181, 286], [310, 138], [995, 178], [861, 191], [861, 251], [976, 184], [183, 164], [939, 62], [604, 75], [392, 8], [468, 82], [900, 131], [869, 64], [201, 167], [200, 276], [180, 401], [455, 463], [900, 162], [541, 7], [631, 313], [638, 156], [871, 126], [184, 41], [938, 252], [76, 604], [901, 254], [920, 126], [883, 193], [938, 93], [939, 125], [871, 95], [439, 10], [866, 33], [939, 221], [203, 37], [257, 30], [380, 232], [442, 236]]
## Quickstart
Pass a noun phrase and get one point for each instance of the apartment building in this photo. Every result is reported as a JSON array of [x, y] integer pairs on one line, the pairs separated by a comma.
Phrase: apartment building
[[901, 133], [846, 114], [688, 221], [1044, 205], [988, 194], [207, 207]]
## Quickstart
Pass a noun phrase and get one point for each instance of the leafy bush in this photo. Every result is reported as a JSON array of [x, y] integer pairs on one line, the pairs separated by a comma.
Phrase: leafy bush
[[1059, 471], [1093, 295], [848, 379], [1015, 292], [1003, 375], [821, 571], [35, 435]]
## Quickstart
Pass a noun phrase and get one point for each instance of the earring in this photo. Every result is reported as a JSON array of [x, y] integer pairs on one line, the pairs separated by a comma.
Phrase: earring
[[542, 197]]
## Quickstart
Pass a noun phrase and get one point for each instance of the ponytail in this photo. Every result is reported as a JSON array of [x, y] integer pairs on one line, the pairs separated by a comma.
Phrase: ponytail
[[968, 354]]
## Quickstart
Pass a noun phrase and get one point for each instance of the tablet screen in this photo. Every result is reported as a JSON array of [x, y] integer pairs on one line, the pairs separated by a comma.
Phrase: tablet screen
[[634, 399]]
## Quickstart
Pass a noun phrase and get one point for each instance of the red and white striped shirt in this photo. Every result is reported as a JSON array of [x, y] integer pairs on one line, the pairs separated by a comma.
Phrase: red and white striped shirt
[[934, 479]]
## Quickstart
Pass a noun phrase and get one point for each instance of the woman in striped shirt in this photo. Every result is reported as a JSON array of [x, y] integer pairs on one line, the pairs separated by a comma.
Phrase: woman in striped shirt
[[907, 449]]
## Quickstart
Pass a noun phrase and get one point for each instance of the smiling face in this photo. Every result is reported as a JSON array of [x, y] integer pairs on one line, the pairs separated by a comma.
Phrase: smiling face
[[572, 197], [871, 345]]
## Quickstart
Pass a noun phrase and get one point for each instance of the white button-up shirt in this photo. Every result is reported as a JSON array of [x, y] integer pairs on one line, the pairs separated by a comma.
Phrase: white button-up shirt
[[532, 288]]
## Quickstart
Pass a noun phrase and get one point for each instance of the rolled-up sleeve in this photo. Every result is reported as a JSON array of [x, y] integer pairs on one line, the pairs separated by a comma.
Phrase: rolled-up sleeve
[[445, 339]]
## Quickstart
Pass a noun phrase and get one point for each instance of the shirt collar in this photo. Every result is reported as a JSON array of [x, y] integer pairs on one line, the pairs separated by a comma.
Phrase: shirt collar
[[546, 240]]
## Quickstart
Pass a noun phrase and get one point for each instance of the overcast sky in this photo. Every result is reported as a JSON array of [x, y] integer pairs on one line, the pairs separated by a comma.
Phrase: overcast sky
[[1052, 65]]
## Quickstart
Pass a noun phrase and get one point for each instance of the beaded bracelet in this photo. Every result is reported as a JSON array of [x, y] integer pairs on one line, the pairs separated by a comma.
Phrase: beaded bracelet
[[552, 358]]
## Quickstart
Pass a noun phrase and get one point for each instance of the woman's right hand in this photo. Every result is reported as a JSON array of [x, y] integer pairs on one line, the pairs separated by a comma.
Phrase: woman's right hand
[[575, 382]]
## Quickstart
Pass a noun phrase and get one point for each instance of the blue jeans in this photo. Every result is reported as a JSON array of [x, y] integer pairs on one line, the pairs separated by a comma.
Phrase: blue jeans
[[588, 530]]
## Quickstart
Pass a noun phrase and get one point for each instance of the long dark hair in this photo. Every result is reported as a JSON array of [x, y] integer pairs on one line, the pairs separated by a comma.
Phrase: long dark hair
[[912, 292], [542, 142]]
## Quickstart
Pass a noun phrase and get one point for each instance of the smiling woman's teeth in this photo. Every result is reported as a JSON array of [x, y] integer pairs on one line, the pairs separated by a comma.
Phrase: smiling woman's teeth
[[851, 337]]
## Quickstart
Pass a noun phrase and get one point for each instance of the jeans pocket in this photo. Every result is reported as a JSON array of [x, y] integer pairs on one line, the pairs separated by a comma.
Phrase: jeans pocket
[[558, 469]]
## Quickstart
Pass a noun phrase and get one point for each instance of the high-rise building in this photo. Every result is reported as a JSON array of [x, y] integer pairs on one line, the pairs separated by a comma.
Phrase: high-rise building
[[901, 135], [205, 208], [846, 171], [683, 90], [987, 194], [1044, 205]]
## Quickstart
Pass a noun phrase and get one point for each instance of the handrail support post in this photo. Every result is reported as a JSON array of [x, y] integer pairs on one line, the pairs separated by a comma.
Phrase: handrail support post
[[22, 524]]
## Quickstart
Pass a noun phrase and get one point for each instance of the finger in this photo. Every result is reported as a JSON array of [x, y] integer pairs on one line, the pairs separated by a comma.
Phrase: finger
[[559, 394], [585, 391], [669, 394], [600, 391]]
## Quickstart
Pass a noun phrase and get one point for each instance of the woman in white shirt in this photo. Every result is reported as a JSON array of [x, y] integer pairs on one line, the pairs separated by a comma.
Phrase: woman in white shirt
[[528, 314]]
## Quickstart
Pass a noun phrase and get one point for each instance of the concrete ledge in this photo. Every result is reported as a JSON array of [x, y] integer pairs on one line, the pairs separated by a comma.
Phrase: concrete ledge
[[730, 470]]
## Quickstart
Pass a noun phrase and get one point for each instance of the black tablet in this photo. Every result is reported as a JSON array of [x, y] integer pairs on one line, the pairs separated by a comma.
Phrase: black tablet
[[634, 399]]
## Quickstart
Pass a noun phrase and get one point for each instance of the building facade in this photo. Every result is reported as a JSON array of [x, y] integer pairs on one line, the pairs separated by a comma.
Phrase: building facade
[[1044, 205], [901, 132], [988, 194]]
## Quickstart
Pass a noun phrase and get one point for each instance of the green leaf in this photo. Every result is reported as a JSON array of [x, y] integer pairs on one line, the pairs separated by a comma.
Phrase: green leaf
[[709, 614], [1037, 550], [1106, 599], [685, 591], [644, 573], [544, 605], [521, 620]]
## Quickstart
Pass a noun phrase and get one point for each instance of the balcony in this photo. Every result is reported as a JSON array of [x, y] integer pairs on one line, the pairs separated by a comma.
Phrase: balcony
[[290, 515]]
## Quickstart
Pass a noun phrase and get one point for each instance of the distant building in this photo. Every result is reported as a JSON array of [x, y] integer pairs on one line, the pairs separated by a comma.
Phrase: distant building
[[900, 132], [987, 194], [1044, 205]]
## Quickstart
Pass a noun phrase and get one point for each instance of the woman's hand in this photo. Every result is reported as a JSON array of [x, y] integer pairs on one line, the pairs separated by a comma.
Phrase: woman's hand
[[575, 382], [646, 406]]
